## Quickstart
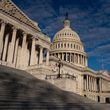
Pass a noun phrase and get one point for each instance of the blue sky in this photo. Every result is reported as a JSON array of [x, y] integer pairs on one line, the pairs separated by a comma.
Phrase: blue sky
[[89, 18]]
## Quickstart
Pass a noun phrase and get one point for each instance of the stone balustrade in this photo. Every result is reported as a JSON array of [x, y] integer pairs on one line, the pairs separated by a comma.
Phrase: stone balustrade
[[68, 76]]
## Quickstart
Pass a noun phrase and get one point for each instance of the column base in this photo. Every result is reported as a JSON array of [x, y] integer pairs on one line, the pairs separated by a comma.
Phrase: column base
[[7, 64]]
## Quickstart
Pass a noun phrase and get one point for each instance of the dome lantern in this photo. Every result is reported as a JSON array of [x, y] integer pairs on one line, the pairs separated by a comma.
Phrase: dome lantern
[[66, 21]]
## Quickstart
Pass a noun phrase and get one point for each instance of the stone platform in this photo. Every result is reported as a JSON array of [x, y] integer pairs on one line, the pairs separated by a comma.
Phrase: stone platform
[[21, 91]]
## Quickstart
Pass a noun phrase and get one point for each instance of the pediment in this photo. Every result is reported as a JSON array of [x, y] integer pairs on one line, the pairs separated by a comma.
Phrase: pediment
[[8, 7]]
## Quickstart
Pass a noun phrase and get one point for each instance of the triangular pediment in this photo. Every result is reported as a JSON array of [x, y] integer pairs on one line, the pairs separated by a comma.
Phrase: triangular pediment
[[7, 6]]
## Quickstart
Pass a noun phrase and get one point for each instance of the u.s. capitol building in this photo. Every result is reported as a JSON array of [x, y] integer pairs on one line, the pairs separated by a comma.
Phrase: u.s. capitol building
[[63, 62]]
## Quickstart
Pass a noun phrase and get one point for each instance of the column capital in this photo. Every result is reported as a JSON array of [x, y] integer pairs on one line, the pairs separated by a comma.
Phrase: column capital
[[14, 28], [24, 33], [41, 47], [3, 22]]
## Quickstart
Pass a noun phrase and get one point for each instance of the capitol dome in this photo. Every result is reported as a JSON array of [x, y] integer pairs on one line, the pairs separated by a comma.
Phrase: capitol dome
[[67, 46]]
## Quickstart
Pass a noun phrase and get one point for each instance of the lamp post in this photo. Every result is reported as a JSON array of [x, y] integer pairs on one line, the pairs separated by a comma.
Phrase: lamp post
[[59, 65]]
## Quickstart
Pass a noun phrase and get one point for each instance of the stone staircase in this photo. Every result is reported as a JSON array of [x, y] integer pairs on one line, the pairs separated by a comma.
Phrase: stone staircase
[[21, 91]]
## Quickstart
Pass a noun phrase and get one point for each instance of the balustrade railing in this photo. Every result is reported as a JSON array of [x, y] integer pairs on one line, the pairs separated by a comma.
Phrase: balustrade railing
[[68, 76]]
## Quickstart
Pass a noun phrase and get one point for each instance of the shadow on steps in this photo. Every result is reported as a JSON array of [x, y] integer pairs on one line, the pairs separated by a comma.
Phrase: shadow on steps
[[21, 91]]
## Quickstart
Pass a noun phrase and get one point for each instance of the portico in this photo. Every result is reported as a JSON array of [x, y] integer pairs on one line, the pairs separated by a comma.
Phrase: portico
[[21, 41]]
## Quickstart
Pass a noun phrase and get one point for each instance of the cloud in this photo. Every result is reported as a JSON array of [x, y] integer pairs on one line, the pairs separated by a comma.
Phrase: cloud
[[100, 51], [89, 18]]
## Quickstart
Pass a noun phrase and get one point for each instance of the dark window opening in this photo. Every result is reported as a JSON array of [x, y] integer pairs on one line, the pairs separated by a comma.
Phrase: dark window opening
[[85, 77], [98, 98], [98, 85], [107, 100], [85, 95]]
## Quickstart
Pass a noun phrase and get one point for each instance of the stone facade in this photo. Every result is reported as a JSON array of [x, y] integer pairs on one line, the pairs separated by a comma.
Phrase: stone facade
[[24, 46]]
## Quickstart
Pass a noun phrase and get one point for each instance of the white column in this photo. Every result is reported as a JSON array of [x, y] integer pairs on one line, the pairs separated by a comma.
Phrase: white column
[[81, 59], [47, 57], [62, 56], [90, 82], [12, 46], [66, 57], [27, 54], [18, 63], [78, 59], [32, 60], [2, 31], [75, 58], [58, 55], [41, 55], [36, 57], [95, 85], [87, 81], [23, 51], [16, 51], [5, 47], [86, 61]]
